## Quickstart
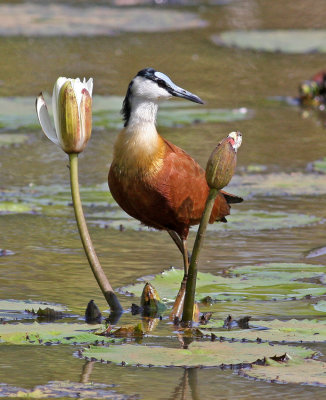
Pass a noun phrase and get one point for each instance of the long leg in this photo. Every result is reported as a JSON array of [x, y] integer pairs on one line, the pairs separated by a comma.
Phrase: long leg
[[176, 238], [182, 246], [185, 258], [179, 301]]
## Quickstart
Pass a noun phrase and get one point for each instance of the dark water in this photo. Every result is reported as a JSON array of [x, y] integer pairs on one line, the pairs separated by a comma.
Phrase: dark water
[[49, 263]]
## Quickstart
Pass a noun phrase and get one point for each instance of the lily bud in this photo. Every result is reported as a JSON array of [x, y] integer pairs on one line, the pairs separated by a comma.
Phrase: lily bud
[[151, 301], [72, 112], [222, 162]]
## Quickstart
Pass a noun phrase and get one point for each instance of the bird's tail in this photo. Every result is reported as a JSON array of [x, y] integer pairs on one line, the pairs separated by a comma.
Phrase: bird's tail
[[231, 198], [222, 206]]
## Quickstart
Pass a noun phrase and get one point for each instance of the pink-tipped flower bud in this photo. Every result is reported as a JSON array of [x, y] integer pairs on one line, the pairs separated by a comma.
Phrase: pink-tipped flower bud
[[222, 162]]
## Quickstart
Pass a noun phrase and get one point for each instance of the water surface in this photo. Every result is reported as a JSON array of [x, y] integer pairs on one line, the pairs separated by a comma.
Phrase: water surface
[[49, 263]]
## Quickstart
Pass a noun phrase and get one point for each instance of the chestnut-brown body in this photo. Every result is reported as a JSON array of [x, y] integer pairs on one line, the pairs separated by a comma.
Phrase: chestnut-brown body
[[163, 187]]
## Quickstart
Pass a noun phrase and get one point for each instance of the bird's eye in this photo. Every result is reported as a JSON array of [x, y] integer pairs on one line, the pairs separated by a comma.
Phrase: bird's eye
[[161, 83]]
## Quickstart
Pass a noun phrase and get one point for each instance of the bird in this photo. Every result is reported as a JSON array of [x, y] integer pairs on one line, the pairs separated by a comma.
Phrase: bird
[[152, 179], [313, 92]]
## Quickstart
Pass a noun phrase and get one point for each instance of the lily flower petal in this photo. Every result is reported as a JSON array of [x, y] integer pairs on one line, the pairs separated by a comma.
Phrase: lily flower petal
[[77, 87], [70, 132], [44, 118], [86, 116], [55, 104], [89, 85]]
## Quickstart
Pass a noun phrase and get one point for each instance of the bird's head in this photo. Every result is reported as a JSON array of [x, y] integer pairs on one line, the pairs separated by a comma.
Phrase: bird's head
[[235, 139], [151, 85]]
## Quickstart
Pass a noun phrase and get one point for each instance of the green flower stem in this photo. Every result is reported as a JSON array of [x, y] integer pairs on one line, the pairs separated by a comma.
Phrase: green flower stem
[[188, 308], [94, 263]]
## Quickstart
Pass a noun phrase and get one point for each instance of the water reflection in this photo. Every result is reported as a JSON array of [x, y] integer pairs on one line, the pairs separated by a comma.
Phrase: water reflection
[[188, 386], [87, 372]]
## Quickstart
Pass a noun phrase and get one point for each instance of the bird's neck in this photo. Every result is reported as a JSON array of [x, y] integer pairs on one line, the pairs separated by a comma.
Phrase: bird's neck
[[139, 148], [142, 112]]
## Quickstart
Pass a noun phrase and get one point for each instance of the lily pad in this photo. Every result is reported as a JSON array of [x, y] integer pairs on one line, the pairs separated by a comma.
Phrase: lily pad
[[19, 112], [320, 306], [273, 281], [60, 19], [286, 41], [248, 220], [316, 252], [275, 331], [318, 166], [261, 220], [208, 354], [66, 389], [59, 195], [310, 372], [282, 184], [303, 308], [9, 139], [179, 115], [52, 333], [101, 209], [190, 116], [7, 207], [52, 199], [256, 168], [24, 309]]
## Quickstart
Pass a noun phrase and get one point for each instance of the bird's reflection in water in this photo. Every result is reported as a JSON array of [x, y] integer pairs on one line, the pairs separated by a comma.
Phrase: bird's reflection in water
[[187, 388]]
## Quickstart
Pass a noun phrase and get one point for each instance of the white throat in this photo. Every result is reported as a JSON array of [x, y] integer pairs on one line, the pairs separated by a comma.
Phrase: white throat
[[140, 135], [143, 112]]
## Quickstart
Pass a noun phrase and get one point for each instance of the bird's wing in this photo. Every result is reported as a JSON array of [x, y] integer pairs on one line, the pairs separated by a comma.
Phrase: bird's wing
[[184, 184]]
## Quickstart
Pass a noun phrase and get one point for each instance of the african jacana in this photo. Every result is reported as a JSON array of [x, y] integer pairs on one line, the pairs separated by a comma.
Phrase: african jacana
[[150, 178]]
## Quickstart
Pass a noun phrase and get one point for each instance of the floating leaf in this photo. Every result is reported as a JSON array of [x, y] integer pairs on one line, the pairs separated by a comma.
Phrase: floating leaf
[[8, 139], [53, 199], [282, 184], [262, 220], [65, 389], [52, 333], [56, 20], [250, 220], [320, 306], [7, 207], [207, 354], [190, 116], [275, 331], [60, 195], [23, 309], [106, 115], [303, 308], [256, 168], [102, 210], [286, 41], [310, 372], [263, 281], [316, 252], [318, 166]]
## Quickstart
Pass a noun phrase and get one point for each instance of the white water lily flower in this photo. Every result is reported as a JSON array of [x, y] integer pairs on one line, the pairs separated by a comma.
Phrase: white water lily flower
[[72, 112]]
